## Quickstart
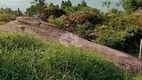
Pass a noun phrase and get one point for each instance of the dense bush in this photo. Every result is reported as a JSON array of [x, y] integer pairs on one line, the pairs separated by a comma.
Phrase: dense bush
[[55, 21], [81, 17], [131, 5], [120, 32], [56, 12], [137, 77], [7, 14], [74, 9], [80, 30], [23, 57]]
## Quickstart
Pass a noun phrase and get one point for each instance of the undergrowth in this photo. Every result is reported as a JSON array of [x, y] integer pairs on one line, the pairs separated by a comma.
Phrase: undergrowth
[[23, 57]]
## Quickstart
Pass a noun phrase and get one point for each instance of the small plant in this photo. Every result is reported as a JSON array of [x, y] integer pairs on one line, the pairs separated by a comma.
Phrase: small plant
[[22, 27], [58, 22], [2, 23], [138, 77]]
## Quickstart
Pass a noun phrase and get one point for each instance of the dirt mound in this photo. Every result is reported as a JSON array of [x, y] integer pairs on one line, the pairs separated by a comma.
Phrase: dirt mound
[[46, 31]]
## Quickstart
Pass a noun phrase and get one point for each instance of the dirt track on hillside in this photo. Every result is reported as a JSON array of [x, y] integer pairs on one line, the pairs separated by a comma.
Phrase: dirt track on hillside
[[46, 31]]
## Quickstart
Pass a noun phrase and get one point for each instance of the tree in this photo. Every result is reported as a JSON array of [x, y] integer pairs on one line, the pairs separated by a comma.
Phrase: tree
[[56, 12], [37, 7], [128, 5], [84, 4], [118, 4], [79, 4], [69, 3], [41, 2], [66, 4], [107, 4], [139, 3], [31, 11], [131, 5], [51, 5]]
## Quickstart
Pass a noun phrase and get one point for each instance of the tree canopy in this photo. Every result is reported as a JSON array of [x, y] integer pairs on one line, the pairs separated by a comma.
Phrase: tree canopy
[[131, 5], [66, 4], [42, 2]]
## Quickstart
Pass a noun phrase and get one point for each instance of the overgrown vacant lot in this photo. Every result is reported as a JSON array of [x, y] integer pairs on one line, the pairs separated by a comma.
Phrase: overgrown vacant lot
[[23, 57]]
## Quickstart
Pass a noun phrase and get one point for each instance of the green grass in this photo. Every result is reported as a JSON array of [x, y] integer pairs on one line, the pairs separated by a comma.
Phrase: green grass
[[23, 57]]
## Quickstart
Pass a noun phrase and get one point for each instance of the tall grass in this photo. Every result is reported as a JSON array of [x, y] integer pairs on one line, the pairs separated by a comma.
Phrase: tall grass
[[23, 57]]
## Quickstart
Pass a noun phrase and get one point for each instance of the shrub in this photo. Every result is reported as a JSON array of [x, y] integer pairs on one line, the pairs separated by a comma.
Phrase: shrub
[[23, 57], [7, 14], [120, 32], [57, 22], [80, 30], [126, 40], [74, 9], [52, 11], [4, 16], [137, 77], [2, 23], [81, 16], [31, 11]]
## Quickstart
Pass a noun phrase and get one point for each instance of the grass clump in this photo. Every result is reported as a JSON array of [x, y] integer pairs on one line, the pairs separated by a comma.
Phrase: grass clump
[[2, 23], [26, 58]]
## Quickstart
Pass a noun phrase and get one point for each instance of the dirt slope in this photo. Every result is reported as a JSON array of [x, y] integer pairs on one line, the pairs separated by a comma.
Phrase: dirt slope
[[50, 32]]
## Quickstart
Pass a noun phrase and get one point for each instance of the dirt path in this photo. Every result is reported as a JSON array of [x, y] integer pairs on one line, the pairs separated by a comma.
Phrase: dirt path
[[50, 32]]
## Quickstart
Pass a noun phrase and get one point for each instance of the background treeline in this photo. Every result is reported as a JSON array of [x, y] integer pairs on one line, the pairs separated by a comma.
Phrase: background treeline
[[7, 14]]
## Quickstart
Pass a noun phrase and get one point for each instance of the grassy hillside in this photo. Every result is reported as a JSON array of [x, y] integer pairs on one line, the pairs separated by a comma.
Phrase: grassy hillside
[[23, 57]]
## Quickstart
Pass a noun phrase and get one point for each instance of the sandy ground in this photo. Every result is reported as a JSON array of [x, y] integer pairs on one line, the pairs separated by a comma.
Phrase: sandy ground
[[46, 31]]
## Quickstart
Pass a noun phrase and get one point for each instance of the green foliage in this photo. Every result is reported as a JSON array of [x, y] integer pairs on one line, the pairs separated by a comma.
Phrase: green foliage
[[80, 16], [4, 16], [138, 77], [7, 14], [116, 29], [115, 11], [57, 22], [31, 11], [51, 5], [140, 21], [2, 23], [66, 4], [41, 2], [139, 3], [80, 30], [74, 9], [23, 57], [121, 33], [36, 9], [56, 12], [106, 3], [83, 3], [131, 5]]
